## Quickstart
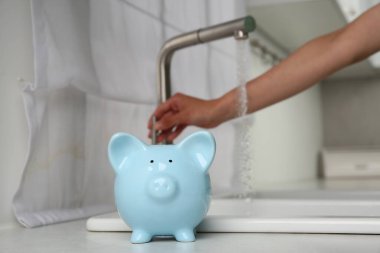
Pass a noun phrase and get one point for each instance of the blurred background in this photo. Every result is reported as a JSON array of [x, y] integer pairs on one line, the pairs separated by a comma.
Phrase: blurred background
[[325, 137]]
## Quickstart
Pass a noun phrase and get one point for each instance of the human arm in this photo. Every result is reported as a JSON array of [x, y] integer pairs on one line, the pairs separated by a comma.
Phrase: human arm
[[306, 66]]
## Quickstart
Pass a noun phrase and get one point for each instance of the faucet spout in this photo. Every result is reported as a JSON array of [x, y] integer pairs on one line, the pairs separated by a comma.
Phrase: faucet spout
[[238, 28]]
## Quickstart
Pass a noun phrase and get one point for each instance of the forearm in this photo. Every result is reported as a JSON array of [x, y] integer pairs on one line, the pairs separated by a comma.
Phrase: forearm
[[305, 67], [308, 65], [298, 72]]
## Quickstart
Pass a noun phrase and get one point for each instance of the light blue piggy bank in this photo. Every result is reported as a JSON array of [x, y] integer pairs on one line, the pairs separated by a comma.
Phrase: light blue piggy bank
[[162, 189]]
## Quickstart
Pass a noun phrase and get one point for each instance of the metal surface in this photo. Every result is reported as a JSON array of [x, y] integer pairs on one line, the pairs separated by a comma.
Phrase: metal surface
[[240, 35], [154, 135], [238, 28]]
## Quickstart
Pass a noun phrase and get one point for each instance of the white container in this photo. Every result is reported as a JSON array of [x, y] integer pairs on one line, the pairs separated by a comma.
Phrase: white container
[[351, 163]]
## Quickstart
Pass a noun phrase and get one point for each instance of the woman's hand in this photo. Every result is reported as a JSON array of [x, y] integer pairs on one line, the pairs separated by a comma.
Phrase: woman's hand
[[180, 111]]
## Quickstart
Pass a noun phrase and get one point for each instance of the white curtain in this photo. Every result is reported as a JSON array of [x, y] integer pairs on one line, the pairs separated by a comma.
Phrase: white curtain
[[95, 72]]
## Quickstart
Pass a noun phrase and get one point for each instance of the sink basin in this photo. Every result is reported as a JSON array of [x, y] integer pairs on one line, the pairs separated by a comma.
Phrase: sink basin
[[312, 211]]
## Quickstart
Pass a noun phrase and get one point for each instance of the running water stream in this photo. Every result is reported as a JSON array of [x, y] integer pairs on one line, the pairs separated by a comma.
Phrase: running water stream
[[244, 135]]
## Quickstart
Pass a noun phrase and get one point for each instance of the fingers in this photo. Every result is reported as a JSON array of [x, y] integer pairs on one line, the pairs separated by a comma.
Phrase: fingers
[[170, 135], [175, 133], [160, 110], [168, 121], [163, 136], [164, 108], [171, 105], [170, 126]]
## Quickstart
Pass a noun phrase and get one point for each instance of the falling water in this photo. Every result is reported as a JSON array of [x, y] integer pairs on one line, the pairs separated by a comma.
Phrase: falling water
[[245, 156], [241, 76]]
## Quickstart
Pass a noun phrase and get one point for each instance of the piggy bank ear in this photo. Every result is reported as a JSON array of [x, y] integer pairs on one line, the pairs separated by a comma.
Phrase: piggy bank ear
[[201, 147], [120, 148]]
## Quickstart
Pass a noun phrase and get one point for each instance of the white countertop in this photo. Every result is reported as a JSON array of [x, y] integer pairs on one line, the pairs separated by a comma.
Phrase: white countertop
[[73, 237]]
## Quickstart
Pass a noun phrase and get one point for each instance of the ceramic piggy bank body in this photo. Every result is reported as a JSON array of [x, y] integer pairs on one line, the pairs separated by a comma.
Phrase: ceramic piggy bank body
[[162, 189]]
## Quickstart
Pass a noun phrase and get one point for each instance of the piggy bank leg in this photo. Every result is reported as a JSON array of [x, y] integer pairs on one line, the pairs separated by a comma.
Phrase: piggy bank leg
[[185, 235], [140, 236]]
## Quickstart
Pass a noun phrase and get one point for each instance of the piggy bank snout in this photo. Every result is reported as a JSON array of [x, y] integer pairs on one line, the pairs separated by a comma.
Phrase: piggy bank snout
[[162, 187]]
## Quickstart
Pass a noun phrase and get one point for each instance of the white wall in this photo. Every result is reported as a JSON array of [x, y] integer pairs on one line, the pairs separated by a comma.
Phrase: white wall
[[351, 113], [16, 60]]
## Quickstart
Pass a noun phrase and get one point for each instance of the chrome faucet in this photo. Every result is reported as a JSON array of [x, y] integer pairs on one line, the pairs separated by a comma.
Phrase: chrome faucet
[[238, 28]]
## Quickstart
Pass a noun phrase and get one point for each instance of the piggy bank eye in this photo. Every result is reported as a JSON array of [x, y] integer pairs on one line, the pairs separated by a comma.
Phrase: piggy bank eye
[[151, 161], [170, 161]]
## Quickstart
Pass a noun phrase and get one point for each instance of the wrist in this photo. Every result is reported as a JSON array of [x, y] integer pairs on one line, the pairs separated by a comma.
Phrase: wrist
[[226, 107]]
